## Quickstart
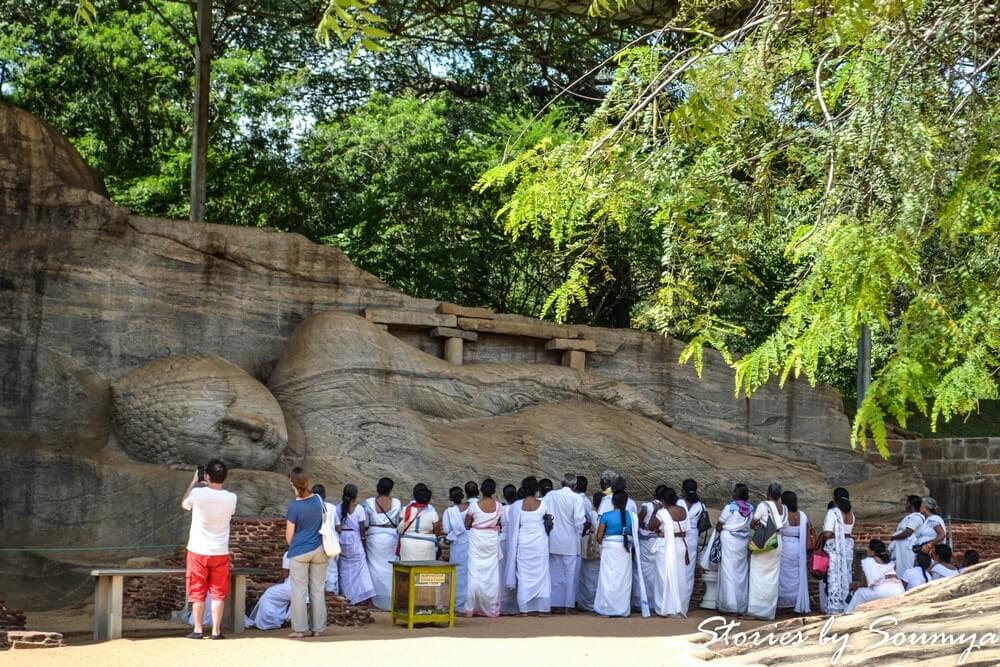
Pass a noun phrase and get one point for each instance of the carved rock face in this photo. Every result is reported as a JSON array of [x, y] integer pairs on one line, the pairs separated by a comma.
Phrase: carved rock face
[[189, 409]]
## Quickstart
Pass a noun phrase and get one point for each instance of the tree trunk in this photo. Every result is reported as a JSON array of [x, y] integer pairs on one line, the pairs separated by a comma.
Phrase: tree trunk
[[199, 140]]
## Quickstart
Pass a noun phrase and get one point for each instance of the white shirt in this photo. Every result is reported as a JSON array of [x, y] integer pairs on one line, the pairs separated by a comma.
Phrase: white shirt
[[211, 511], [915, 576], [925, 533], [568, 517], [693, 513], [830, 521], [607, 506]]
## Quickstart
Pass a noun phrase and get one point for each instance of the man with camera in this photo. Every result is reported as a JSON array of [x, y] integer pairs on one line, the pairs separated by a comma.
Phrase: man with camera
[[211, 509]]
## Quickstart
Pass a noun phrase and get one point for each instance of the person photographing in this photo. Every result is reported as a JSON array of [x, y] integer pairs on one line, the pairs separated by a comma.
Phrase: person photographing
[[207, 566]]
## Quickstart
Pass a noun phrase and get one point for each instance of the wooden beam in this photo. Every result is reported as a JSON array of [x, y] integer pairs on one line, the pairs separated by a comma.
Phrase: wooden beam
[[448, 332], [466, 311], [581, 344], [409, 318], [537, 329]]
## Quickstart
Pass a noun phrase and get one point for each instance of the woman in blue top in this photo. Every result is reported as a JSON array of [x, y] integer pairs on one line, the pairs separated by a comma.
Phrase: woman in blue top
[[307, 559], [614, 583]]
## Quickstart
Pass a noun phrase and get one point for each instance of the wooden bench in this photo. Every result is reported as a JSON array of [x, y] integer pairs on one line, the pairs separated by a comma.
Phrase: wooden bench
[[110, 587]]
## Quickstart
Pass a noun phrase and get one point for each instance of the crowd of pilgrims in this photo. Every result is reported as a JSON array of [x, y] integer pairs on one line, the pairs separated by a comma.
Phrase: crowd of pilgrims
[[535, 549]]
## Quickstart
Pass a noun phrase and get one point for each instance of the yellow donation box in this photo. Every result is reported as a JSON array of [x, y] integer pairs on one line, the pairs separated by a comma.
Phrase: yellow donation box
[[423, 591]]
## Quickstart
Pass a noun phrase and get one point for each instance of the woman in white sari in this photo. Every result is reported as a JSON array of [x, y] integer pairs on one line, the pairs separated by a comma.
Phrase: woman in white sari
[[839, 545], [765, 566], [527, 569], [483, 521], [332, 583], [880, 574], [382, 513], [903, 539], [649, 544], [933, 530], [590, 567], [733, 531], [418, 527], [793, 586], [695, 508], [508, 596], [453, 525], [670, 574], [355, 579]]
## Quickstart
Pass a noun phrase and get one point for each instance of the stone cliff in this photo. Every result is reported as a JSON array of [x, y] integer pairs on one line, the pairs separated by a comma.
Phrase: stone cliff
[[132, 346]]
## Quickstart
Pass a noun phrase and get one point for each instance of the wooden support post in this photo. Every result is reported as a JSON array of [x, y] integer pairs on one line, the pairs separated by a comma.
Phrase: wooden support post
[[453, 350], [114, 615], [864, 370], [575, 359], [238, 602], [199, 139], [102, 595]]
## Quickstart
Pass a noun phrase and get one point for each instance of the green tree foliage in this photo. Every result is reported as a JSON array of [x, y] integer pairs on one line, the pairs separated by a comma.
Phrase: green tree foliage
[[811, 169]]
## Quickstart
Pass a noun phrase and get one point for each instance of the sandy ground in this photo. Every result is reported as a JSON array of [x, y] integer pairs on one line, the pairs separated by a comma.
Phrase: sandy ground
[[579, 640]]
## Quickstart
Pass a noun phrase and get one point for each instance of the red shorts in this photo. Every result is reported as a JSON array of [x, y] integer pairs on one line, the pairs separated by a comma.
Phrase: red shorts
[[207, 575]]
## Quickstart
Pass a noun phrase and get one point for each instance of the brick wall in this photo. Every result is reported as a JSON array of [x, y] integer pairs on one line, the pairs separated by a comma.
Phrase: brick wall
[[254, 543], [963, 474]]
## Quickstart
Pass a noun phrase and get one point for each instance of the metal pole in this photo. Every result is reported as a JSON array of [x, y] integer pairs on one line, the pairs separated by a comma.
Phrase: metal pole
[[864, 362], [199, 140]]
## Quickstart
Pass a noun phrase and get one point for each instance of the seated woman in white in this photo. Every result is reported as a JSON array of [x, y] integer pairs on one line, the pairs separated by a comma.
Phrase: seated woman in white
[[919, 574], [942, 568], [274, 609], [880, 573]]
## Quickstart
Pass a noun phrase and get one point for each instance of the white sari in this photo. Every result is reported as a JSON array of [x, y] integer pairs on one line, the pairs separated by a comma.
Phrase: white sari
[[332, 583], [734, 570], [793, 586], [527, 569], [691, 536], [670, 591], [614, 583], [483, 593], [508, 596], [416, 533], [355, 579], [382, 538], [765, 567], [882, 583], [458, 553], [841, 551], [273, 609], [648, 547], [902, 550]]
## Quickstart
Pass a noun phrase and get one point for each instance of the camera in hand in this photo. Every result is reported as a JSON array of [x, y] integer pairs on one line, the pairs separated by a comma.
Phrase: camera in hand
[[201, 473]]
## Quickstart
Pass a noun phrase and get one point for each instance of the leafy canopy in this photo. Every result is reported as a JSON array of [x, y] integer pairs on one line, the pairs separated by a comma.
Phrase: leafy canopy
[[818, 165]]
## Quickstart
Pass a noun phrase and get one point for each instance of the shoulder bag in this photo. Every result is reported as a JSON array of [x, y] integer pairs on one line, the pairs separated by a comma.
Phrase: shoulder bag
[[331, 543]]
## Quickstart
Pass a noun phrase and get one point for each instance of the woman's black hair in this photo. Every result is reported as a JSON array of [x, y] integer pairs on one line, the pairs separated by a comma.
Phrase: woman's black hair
[[350, 494], [970, 558], [923, 559], [669, 497], [598, 497], [581, 484], [843, 504], [422, 493], [455, 494], [619, 500], [319, 490], [471, 489], [879, 549], [545, 485], [510, 493], [741, 492], [915, 502], [790, 500], [488, 487], [690, 489], [618, 485], [384, 486], [841, 492], [530, 486], [658, 493], [943, 552]]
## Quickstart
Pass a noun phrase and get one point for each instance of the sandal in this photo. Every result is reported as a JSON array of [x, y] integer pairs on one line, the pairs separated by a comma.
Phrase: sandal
[[218, 636], [194, 635]]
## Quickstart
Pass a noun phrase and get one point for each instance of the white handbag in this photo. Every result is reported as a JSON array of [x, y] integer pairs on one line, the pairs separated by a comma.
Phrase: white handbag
[[331, 542]]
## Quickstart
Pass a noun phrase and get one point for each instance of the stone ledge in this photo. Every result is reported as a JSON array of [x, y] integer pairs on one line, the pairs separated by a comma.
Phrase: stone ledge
[[408, 318], [465, 311], [22, 639], [580, 344], [527, 329], [448, 332]]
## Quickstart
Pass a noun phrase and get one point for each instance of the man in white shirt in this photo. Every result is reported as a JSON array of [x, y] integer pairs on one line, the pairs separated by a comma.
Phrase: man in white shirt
[[211, 509], [568, 517]]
